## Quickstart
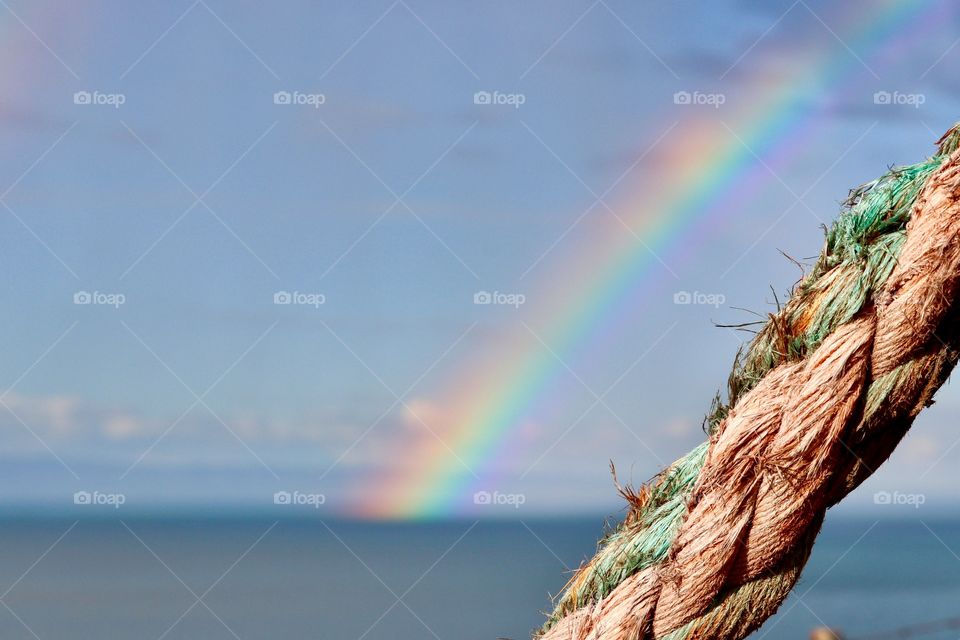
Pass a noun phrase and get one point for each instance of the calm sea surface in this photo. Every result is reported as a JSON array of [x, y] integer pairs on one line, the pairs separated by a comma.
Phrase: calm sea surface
[[149, 578]]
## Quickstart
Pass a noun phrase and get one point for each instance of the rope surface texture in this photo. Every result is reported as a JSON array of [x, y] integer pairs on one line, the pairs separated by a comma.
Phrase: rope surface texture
[[825, 391]]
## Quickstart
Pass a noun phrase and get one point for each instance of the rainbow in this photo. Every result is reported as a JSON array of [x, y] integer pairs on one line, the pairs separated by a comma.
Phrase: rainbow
[[27, 70], [493, 400]]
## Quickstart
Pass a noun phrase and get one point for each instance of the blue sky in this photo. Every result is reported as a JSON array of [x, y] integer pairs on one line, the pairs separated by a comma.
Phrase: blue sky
[[198, 198]]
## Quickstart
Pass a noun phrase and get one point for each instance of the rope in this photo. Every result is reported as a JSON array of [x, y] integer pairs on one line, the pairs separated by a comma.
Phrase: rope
[[821, 397]]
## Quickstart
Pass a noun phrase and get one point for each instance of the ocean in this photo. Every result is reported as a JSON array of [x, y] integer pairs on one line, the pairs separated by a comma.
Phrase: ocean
[[190, 577]]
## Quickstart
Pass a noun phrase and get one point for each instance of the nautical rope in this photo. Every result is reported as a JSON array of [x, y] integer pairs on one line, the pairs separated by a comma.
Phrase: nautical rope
[[820, 398]]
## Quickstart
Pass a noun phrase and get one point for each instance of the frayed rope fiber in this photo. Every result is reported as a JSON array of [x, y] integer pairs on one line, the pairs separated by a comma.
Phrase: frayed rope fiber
[[820, 398]]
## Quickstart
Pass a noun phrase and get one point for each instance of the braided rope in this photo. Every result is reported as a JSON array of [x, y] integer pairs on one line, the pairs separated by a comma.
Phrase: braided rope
[[822, 396]]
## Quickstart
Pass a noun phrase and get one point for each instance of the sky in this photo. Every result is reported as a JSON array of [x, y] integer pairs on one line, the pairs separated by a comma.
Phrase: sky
[[420, 259]]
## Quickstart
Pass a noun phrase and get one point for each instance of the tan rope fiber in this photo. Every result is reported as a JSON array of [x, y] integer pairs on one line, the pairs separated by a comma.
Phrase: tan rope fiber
[[809, 432]]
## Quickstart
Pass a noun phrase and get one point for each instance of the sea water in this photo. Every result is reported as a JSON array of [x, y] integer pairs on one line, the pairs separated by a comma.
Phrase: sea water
[[170, 577]]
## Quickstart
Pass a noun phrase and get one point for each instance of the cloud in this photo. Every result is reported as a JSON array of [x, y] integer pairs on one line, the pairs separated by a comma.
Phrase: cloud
[[66, 417], [78, 428], [419, 412], [922, 450]]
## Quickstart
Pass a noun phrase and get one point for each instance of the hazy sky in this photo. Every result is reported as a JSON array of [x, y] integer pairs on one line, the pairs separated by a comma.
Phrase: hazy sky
[[152, 160]]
